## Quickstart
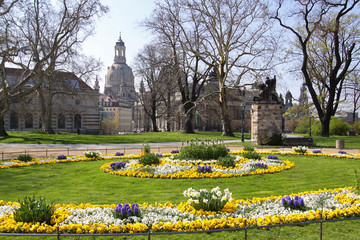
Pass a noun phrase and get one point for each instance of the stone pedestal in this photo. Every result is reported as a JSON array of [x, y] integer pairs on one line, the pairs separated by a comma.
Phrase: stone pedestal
[[266, 120]]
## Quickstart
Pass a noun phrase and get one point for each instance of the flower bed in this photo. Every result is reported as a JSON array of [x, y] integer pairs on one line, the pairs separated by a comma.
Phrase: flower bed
[[87, 218], [174, 169]]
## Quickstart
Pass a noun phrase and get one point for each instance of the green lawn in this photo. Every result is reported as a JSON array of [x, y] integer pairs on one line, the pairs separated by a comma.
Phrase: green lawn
[[83, 182], [72, 138]]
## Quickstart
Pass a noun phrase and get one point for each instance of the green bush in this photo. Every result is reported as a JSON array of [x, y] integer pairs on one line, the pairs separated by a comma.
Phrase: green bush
[[251, 155], [203, 152], [146, 148], [249, 148], [356, 127], [32, 210], [228, 161], [303, 126], [337, 127], [24, 157], [149, 159]]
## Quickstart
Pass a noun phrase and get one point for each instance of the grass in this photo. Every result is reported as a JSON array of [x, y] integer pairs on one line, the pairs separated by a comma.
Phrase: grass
[[83, 182], [72, 138]]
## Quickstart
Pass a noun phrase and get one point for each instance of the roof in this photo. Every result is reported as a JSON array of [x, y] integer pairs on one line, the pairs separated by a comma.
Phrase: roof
[[59, 75]]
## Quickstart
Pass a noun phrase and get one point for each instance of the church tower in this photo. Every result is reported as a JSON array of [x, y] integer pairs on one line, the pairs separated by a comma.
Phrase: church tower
[[119, 80]]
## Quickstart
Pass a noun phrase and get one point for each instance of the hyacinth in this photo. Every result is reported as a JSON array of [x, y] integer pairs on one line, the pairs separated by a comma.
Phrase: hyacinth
[[300, 149], [213, 200], [316, 151], [342, 152], [260, 165], [125, 211], [117, 165], [61, 157], [293, 203], [272, 157], [119, 154], [204, 169], [174, 151]]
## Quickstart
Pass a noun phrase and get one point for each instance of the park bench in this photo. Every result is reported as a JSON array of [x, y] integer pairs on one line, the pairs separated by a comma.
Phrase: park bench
[[299, 141]]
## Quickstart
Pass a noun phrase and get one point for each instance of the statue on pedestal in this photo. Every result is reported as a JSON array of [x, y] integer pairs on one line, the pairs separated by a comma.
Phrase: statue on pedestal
[[268, 92]]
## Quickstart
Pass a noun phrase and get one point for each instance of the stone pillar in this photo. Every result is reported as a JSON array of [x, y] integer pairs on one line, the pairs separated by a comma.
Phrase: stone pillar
[[266, 120]]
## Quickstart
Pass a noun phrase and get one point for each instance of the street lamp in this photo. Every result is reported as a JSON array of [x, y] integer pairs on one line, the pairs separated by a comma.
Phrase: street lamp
[[242, 111]]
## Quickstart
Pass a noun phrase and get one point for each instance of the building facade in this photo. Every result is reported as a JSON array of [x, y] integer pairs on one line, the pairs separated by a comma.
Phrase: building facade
[[70, 112]]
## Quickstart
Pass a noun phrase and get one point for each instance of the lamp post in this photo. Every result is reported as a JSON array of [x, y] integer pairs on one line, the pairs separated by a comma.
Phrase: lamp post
[[242, 110]]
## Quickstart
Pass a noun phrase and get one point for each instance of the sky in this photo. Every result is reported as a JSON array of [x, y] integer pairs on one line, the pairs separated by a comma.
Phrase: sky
[[124, 16]]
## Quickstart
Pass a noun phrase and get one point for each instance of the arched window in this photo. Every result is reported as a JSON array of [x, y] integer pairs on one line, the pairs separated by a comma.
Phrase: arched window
[[61, 121], [29, 120], [14, 120], [77, 121]]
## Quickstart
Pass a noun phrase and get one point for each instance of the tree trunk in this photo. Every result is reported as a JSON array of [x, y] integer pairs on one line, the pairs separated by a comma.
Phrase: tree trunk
[[225, 118], [3, 132], [46, 110], [188, 108], [325, 126]]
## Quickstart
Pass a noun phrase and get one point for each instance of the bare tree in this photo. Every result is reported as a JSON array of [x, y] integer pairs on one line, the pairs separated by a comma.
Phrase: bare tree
[[46, 44], [5, 7], [185, 66], [232, 37], [324, 34], [149, 64], [352, 95]]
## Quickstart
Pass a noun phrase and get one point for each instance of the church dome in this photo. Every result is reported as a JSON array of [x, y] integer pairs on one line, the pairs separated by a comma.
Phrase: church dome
[[119, 80]]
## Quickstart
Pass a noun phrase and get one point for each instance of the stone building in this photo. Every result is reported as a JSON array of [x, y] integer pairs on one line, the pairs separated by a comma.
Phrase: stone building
[[117, 103], [70, 112]]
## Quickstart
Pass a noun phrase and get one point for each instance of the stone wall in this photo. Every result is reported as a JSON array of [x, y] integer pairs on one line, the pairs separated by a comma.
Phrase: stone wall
[[266, 119]]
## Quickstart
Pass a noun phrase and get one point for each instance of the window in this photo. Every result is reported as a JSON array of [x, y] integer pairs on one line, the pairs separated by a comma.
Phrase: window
[[61, 121], [29, 120], [14, 120], [77, 121]]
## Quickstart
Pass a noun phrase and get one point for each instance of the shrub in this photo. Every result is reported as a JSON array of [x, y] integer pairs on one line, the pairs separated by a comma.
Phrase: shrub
[[356, 127], [32, 210], [146, 149], [149, 159], [249, 149], [214, 200], [203, 150], [251, 155], [337, 127], [228, 161], [24, 157]]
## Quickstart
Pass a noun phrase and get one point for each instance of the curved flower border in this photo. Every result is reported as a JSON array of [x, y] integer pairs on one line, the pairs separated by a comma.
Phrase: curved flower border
[[52, 160], [167, 217], [191, 171]]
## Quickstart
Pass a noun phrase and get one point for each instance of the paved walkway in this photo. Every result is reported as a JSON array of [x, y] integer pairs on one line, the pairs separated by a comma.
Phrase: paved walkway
[[12, 150]]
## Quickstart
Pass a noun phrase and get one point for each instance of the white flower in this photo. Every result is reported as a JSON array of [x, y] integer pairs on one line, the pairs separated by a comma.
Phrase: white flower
[[205, 200], [214, 197]]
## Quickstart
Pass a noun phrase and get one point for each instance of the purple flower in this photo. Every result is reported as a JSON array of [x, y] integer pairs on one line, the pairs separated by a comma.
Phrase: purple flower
[[289, 202], [117, 209], [342, 152], [301, 202], [317, 151], [272, 157], [60, 157], [119, 154], [296, 203], [135, 208], [174, 151], [283, 201]]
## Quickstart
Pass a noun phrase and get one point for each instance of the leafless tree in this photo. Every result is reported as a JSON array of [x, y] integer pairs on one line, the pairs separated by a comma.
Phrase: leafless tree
[[232, 36], [48, 35], [149, 64], [352, 95], [327, 35], [185, 66]]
